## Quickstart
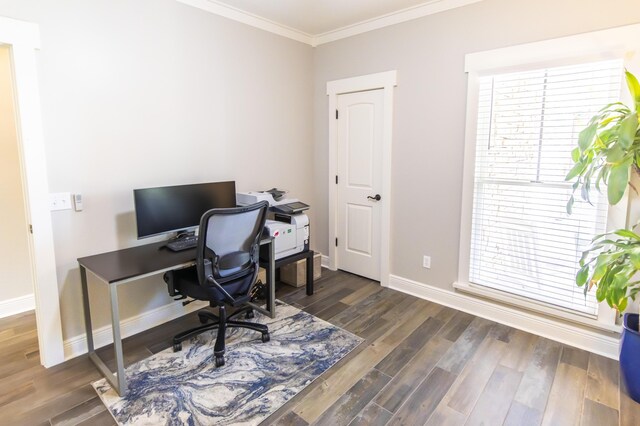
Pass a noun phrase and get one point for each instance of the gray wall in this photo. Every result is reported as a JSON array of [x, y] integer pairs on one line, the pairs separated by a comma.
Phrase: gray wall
[[430, 102], [153, 92]]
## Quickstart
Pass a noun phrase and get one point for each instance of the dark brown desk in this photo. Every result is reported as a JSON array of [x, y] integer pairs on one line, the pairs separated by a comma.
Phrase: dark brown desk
[[123, 266]]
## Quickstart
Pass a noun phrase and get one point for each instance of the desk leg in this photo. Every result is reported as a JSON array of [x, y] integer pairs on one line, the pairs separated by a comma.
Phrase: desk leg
[[87, 310], [117, 339], [118, 382], [271, 279], [310, 274]]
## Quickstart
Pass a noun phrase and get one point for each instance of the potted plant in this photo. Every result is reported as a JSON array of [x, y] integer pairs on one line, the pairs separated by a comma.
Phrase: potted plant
[[609, 152]]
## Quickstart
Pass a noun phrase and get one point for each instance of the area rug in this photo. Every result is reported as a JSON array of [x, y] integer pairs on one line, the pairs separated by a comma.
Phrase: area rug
[[178, 388]]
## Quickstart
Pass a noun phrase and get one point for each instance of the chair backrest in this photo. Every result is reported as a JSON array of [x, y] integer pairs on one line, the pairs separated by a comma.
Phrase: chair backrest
[[229, 242]]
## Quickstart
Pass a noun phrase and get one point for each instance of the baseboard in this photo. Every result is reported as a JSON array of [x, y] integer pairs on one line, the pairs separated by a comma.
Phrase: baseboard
[[103, 336], [17, 305], [324, 261], [601, 343]]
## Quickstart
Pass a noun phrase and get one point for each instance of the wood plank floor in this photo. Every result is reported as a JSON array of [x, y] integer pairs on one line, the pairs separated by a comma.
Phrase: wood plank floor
[[421, 363]]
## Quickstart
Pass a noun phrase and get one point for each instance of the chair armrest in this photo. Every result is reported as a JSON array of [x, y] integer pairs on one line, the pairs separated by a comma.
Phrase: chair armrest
[[168, 278]]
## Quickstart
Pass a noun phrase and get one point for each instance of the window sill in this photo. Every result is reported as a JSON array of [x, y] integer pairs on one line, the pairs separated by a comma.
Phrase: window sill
[[537, 307]]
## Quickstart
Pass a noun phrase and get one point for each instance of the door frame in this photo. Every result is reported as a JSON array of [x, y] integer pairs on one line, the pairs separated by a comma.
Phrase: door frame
[[24, 39], [385, 81]]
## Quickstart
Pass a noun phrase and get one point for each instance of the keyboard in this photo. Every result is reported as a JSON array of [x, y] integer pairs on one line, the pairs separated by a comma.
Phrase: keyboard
[[185, 243]]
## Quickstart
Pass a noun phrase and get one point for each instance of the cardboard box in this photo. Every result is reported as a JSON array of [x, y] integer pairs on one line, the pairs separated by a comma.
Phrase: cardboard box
[[262, 275], [295, 274]]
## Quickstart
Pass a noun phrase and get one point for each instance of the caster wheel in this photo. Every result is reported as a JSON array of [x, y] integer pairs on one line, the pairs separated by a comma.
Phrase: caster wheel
[[265, 337], [177, 347], [219, 361], [249, 315]]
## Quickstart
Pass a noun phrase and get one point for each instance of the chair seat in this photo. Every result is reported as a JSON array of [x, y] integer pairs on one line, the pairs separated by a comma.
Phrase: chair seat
[[186, 282]]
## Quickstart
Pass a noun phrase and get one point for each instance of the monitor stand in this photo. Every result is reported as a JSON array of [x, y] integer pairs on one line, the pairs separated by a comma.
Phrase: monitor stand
[[183, 234]]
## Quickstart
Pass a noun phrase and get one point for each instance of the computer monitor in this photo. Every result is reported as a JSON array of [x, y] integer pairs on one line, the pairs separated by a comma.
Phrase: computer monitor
[[174, 208]]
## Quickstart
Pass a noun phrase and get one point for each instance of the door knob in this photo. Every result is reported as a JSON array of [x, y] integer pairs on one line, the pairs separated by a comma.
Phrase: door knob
[[376, 198]]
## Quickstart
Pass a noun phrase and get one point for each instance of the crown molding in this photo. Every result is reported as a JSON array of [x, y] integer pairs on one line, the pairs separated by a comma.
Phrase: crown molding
[[256, 21], [404, 15]]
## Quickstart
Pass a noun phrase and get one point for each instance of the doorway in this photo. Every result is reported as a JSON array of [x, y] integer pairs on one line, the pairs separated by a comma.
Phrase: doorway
[[23, 40], [16, 284], [360, 136]]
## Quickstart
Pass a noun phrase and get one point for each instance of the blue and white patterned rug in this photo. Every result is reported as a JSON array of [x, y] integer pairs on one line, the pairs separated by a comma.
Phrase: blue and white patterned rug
[[258, 378]]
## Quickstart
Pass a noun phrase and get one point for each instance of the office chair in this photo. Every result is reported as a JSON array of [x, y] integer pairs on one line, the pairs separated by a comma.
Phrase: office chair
[[226, 269]]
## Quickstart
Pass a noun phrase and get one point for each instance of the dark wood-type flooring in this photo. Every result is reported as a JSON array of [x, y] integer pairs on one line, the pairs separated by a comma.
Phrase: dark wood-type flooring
[[421, 363]]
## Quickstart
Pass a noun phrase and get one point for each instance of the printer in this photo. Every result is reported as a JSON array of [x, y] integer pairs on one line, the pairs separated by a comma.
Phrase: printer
[[289, 238], [287, 223]]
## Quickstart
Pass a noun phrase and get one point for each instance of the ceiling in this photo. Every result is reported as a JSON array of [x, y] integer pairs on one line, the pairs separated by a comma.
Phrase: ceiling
[[320, 21]]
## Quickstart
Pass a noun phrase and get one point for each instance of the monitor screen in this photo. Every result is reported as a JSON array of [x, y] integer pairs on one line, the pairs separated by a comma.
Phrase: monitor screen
[[173, 208]]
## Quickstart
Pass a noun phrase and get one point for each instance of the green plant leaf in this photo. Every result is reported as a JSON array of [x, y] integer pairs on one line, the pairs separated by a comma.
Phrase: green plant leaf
[[586, 136], [575, 171], [617, 184], [600, 177], [570, 204], [610, 107], [622, 304], [615, 154], [582, 275], [575, 154], [634, 88], [585, 191], [599, 294], [634, 258], [627, 131], [599, 271], [607, 135], [605, 122], [627, 234]]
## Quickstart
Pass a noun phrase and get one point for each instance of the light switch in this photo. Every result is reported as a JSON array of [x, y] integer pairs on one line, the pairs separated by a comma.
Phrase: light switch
[[60, 201], [77, 201]]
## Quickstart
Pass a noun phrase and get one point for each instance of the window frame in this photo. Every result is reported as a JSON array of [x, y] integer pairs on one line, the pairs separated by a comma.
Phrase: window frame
[[616, 43]]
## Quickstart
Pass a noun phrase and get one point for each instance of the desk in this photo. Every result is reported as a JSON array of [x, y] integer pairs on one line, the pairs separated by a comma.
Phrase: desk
[[308, 255], [123, 266]]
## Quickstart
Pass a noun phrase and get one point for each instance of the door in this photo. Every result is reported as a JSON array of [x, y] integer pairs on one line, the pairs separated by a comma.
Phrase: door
[[360, 132]]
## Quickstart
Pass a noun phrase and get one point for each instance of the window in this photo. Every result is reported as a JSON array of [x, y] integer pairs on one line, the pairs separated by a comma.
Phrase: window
[[522, 240]]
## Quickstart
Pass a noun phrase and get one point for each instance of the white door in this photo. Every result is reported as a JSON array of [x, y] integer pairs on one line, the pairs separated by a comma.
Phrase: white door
[[360, 131]]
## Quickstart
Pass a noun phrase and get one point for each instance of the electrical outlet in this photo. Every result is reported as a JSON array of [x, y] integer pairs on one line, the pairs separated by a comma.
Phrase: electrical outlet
[[60, 201], [426, 262]]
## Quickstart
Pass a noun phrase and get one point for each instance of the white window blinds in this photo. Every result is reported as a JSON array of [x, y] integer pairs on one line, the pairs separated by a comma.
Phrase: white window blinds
[[522, 240]]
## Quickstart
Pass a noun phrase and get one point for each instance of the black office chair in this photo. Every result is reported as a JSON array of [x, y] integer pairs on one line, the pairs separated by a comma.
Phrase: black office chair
[[226, 269]]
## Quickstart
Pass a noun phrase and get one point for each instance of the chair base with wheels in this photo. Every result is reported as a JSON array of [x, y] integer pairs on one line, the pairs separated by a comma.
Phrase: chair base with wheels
[[221, 323]]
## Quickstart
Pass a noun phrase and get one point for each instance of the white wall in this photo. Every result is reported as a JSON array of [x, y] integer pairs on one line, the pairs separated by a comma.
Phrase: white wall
[[430, 102], [15, 267], [153, 92]]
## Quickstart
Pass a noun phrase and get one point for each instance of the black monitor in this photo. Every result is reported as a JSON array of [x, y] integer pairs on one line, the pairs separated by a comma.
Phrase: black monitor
[[174, 208]]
